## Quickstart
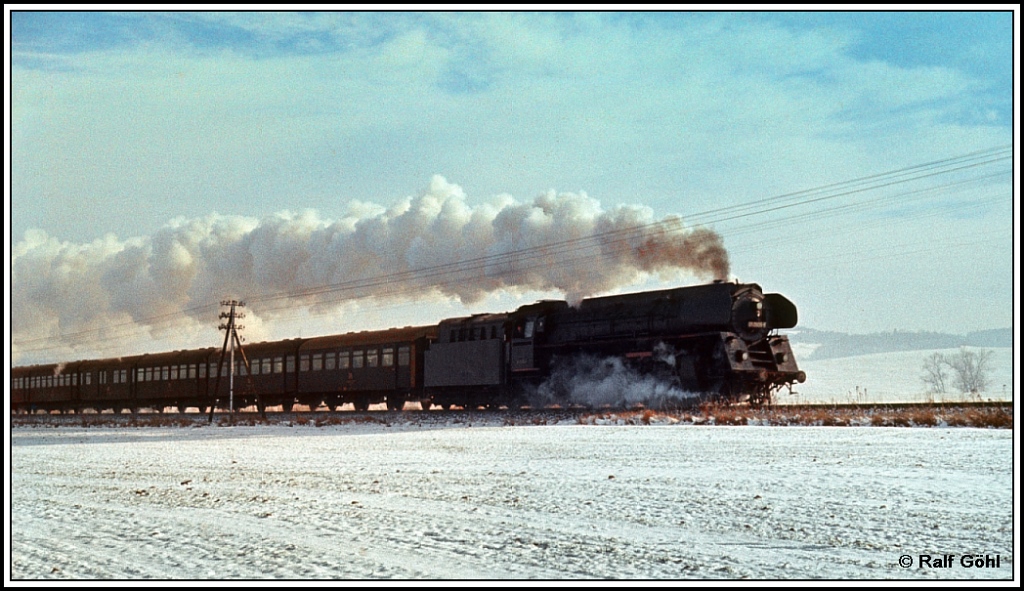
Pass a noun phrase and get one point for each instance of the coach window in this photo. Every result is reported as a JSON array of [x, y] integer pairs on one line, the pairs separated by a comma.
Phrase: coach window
[[329, 360], [192, 372], [289, 363], [174, 372], [304, 363], [278, 364], [357, 359], [255, 363], [165, 373], [318, 361], [403, 356], [371, 358], [213, 370], [267, 363], [343, 360], [387, 356]]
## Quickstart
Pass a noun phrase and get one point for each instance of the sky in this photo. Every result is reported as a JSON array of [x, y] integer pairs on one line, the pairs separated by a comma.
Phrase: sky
[[361, 170]]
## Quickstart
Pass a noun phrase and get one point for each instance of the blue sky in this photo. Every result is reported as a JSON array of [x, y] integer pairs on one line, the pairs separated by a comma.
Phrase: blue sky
[[125, 125]]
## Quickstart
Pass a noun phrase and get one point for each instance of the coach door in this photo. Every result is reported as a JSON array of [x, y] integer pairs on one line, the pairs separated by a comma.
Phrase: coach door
[[522, 357]]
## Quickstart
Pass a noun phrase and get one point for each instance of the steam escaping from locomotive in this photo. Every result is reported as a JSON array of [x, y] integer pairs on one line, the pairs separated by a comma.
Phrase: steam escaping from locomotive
[[603, 381], [435, 245]]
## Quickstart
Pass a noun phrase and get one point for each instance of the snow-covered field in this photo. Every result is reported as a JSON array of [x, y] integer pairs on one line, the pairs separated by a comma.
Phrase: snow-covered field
[[445, 499], [887, 377]]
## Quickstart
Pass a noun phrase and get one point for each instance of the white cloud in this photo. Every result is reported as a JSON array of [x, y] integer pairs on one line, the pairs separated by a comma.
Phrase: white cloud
[[681, 116]]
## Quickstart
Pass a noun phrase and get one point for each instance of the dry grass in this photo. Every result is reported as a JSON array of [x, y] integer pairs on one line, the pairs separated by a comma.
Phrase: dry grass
[[825, 416], [329, 420], [937, 415]]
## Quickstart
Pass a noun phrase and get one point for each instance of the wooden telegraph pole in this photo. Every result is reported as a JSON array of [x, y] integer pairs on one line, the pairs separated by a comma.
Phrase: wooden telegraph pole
[[231, 342]]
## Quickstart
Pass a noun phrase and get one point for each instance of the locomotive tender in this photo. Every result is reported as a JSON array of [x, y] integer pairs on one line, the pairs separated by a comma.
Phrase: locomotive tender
[[719, 340]]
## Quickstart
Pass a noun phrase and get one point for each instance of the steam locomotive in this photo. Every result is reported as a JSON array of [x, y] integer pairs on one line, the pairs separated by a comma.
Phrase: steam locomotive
[[718, 341]]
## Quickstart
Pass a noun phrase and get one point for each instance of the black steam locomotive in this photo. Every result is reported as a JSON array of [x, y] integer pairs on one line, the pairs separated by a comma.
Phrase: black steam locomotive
[[718, 341]]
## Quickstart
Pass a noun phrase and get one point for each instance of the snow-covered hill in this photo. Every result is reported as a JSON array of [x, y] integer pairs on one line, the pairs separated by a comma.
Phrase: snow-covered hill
[[885, 377]]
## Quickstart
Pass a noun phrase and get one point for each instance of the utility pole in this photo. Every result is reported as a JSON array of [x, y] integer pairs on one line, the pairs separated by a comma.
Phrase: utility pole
[[231, 341]]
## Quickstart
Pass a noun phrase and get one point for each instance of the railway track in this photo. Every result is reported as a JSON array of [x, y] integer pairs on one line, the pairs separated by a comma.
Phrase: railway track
[[838, 414]]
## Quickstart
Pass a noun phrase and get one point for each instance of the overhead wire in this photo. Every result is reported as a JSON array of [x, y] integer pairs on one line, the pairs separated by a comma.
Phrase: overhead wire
[[532, 257]]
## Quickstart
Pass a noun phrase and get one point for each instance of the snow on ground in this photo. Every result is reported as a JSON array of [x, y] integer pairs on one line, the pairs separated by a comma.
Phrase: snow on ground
[[478, 500], [888, 377]]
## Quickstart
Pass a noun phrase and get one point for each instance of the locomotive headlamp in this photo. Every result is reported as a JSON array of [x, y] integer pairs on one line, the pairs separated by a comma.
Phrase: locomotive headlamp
[[741, 356]]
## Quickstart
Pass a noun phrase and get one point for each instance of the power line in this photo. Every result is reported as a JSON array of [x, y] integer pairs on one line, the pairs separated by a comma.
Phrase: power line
[[613, 242]]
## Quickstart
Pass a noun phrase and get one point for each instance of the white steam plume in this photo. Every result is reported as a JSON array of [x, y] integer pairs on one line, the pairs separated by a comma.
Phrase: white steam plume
[[594, 382], [430, 246]]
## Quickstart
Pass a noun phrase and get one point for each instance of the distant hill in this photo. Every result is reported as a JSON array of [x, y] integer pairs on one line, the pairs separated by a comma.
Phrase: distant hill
[[839, 344]]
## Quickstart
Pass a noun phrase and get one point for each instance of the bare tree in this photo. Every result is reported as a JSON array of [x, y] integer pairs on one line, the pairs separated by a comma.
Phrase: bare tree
[[971, 370], [935, 375]]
